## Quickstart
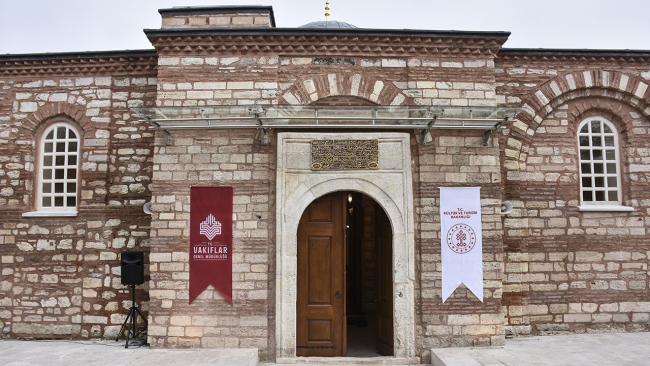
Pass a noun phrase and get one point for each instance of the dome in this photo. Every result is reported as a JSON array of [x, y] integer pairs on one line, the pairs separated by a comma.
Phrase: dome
[[330, 24]]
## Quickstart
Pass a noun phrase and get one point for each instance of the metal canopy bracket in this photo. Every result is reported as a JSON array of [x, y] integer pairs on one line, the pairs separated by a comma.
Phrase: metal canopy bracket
[[423, 133], [265, 117], [488, 133], [168, 137], [258, 111], [166, 134]]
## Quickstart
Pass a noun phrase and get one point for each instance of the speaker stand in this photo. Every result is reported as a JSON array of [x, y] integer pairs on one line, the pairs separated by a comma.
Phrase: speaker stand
[[131, 319]]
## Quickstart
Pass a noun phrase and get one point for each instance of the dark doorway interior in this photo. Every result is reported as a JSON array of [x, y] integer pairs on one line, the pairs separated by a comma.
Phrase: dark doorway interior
[[368, 278]]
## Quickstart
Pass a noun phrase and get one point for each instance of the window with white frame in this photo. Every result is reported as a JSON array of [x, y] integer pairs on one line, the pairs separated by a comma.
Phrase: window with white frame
[[600, 178], [59, 168]]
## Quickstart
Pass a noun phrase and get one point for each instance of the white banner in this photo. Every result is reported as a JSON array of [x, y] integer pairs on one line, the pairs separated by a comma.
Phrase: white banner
[[462, 240]]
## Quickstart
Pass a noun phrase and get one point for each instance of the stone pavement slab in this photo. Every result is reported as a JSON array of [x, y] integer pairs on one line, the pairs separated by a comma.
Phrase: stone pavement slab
[[85, 353], [558, 350]]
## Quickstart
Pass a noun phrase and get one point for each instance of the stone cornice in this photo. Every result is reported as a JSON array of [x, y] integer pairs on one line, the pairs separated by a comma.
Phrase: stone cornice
[[570, 55], [79, 64], [298, 41]]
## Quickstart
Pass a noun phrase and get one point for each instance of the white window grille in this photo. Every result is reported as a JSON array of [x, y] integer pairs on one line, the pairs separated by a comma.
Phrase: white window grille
[[59, 168], [600, 178]]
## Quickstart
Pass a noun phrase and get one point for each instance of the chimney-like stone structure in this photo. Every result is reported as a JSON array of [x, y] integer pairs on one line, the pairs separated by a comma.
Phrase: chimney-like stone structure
[[217, 16]]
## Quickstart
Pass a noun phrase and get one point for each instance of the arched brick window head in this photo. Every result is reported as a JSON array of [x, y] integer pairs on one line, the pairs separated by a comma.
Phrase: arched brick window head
[[600, 178], [59, 168]]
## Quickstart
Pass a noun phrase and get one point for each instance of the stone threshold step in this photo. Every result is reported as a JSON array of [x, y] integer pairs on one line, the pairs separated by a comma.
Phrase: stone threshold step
[[314, 361]]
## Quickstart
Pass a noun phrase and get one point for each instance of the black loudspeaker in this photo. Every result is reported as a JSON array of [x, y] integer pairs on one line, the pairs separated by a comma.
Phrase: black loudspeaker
[[132, 268], [132, 275]]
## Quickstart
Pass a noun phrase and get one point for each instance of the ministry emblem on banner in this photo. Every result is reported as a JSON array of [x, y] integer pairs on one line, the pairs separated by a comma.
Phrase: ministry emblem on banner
[[461, 240]]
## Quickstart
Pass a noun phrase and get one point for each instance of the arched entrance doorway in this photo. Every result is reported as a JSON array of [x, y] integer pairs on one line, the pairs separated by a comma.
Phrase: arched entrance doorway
[[345, 282], [391, 186]]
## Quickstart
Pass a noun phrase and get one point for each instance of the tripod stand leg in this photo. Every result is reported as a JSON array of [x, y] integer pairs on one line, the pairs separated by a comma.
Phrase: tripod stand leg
[[143, 319], [131, 318], [123, 326], [129, 332]]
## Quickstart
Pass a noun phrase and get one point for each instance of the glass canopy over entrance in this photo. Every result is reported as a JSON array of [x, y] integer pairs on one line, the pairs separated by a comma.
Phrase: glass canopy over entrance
[[266, 117]]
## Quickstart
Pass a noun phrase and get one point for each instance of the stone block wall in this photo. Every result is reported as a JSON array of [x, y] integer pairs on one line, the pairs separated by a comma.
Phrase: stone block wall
[[212, 158], [388, 81], [219, 157], [568, 270], [61, 275], [190, 81], [458, 159]]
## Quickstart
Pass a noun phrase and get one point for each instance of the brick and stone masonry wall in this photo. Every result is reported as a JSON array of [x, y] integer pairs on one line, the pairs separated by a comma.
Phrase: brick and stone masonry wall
[[548, 267], [567, 270], [459, 159], [61, 275], [214, 157], [217, 157]]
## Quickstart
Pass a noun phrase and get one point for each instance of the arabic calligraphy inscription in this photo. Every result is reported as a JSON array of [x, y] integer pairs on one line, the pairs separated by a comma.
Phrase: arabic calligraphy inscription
[[344, 154]]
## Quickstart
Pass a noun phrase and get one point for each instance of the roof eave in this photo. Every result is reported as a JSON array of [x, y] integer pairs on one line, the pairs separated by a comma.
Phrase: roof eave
[[572, 52], [314, 31], [76, 55]]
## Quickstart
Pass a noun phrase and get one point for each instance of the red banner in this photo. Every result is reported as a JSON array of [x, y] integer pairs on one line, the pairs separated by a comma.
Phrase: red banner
[[211, 240]]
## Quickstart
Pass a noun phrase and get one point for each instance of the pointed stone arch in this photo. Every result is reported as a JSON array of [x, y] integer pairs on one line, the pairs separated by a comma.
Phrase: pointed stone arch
[[316, 87]]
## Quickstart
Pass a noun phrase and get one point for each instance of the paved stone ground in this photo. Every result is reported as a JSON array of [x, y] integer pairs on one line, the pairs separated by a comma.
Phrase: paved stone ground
[[560, 350], [84, 353], [575, 350]]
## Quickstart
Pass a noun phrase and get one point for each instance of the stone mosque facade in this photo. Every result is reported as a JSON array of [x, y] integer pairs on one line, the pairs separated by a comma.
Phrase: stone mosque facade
[[556, 139]]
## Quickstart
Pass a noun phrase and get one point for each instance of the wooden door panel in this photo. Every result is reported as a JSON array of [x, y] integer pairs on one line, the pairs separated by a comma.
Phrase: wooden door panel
[[320, 211], [319, 263], [319, 330], [320, 311], [383, 328]]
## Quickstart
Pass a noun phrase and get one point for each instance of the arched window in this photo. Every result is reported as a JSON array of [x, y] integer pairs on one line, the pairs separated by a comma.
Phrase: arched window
[[59, 168], [600, 178]]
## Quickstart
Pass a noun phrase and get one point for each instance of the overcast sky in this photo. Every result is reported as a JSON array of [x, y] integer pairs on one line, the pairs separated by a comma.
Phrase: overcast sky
[[34, 26]]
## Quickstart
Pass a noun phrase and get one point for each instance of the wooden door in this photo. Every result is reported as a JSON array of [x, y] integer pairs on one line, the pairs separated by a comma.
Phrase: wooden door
[[321, 326], [384, 237]]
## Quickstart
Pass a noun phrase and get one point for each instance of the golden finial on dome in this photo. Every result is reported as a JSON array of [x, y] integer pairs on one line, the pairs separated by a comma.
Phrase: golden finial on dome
[[327, 10]]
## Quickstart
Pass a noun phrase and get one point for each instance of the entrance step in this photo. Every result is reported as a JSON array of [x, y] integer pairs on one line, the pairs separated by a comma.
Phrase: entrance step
[[470, 356], [368, 361]]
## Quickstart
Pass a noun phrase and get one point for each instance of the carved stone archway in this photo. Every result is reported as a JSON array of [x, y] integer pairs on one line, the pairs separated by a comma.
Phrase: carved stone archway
[[391, 186]]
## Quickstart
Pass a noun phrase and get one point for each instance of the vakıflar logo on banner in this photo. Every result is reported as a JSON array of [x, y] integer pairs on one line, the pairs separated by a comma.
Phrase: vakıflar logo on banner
[[211, 212], [210, 227]]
